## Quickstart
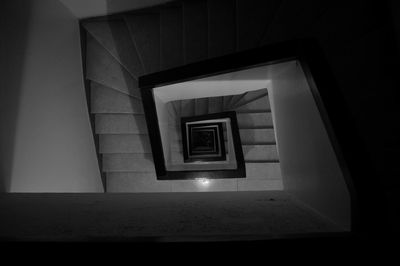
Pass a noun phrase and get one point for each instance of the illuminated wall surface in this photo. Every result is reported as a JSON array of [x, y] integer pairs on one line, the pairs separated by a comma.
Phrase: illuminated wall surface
[[46, 140]]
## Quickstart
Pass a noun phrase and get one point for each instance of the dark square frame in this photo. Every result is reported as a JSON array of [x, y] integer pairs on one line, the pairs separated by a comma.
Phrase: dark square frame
[[218, 155]]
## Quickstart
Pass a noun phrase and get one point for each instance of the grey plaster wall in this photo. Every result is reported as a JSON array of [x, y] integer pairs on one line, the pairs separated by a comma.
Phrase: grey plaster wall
[[309, 166], [46, 140]]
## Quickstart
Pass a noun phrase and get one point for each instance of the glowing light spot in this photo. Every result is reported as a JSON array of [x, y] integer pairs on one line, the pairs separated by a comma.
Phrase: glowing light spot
[[205, 182]]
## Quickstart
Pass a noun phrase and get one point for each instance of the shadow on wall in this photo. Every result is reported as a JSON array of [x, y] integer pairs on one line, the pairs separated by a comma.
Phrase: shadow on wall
[[15, 27]]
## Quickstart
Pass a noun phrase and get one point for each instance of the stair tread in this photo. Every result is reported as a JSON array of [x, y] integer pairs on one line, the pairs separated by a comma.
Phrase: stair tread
[[120, 124], [124, 143], [259, 105], [263, 170], [250, 96], [171, 37], [127, 163], [260, 152], [215, 104], [221, 30], [187, 108], [201, 106], [145, 31], [253, 19], [257, 136], [195, 30], [114, 36], [107, 100], [289, 23], [103, 68], [254, 120]]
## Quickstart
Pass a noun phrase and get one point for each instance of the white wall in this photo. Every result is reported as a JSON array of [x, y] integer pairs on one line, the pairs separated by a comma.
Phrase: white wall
[[309, 166], [224, 84], [52, 147], [163, 120]]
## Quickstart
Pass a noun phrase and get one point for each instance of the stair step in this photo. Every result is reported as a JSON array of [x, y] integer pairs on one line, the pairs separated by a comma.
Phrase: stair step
[[201, 106], [103, 68], [195, 30], [253, 18], [107, 100], [142, 163], [177, 107], [221, 28], [263, 171], [259, 185], [235, 100], [120, 124], [145, 32], [134, 182], [254, 120], [114, 36], [187, 107], [171, 36], [288, 23], [226, 101], [215, 104], [124, 143], [260, 153], [250, 96], [258, 105], [257, 136]]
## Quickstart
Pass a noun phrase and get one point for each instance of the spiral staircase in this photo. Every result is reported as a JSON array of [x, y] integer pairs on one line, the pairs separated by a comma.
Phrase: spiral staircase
[[122, 47]]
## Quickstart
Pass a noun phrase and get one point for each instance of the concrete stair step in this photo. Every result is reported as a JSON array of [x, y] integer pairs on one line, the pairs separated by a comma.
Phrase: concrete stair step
[[145, 32], [254, 120], [260, 153], [226, 101], [234, 100], [177, 107], [114, 36], [134, 182], [107, 100], [171, 36], [103, 68], [120, 124], [250, 96], [263, 171], [257, 136], [288, 23], [259, 185], [142, 163], [176, 146], [258, 105], [215, 104], [187, 108], [221, 33], [201, 106], [253, 18], [124, 143], [195, 30]]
